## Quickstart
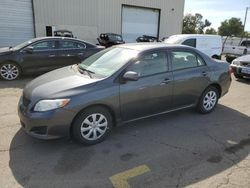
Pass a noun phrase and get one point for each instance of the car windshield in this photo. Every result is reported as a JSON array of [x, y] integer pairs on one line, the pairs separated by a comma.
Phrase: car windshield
[[26, 43], [173, 40], [107, 62]]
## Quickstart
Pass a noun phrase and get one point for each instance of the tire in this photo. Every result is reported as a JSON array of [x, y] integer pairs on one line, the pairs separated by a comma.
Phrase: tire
[[86, 132], [238, 76], [230, 59], [208, 100], [10, 71]]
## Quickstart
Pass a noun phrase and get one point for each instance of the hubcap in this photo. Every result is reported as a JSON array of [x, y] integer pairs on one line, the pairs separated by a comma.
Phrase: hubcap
[[94, 126], [9, 72], [209, 100]]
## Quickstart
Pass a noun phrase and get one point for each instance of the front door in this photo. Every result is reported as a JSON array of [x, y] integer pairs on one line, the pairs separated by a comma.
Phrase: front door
[[152, 93], [42, 58]]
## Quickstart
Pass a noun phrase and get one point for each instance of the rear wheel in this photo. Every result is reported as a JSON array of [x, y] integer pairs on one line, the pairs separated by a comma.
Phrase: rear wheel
[[208, 100], [9, 71], [92, 125]]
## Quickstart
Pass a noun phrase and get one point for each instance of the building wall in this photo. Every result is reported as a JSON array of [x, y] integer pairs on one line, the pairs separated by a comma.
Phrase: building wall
[[88, 18]]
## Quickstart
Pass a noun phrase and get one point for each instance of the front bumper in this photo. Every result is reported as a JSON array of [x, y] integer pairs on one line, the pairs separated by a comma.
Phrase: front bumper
[[238, 70], [45, 125]]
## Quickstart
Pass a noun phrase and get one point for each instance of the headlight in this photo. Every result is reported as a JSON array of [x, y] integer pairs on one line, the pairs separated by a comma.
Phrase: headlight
[[46, 105], [235, 62]]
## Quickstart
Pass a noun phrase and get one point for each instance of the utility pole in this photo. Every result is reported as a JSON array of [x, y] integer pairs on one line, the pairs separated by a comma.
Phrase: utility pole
[[245, 18], [244, 26]]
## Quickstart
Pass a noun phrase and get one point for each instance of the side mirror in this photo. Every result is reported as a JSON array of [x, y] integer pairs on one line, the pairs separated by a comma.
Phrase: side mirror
[[131, 76], [29, 50]]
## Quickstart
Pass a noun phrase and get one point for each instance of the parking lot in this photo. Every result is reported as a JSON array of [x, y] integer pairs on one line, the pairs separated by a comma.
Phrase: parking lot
[[178, 149]]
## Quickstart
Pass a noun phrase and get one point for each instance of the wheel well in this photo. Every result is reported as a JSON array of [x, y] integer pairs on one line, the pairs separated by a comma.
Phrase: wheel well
[[111, 111], [217, 86], [216, 56], [13, 62]]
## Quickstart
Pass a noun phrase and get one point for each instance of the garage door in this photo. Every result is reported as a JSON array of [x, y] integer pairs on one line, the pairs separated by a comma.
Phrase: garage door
[[139, 21], [16, 22]]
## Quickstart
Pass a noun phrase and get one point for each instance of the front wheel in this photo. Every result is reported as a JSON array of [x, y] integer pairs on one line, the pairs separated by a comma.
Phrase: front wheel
[[92, 125], [9, 71], [208, 100]]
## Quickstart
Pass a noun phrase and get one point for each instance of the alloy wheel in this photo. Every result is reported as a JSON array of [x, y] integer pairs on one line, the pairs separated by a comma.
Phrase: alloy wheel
[[9, 72], [210, 100], [94, 126]]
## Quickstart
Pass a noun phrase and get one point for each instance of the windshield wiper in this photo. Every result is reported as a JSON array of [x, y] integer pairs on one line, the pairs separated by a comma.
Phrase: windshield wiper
[[82, 70]]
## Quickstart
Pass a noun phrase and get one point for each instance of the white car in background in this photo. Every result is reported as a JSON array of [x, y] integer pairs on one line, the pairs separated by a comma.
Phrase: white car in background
[[241, 66], [235, 47], [208, 44]]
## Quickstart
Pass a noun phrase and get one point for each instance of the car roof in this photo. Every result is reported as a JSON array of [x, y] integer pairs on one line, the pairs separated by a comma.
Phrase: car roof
[[195, 35], [63, 38], [150, 46]]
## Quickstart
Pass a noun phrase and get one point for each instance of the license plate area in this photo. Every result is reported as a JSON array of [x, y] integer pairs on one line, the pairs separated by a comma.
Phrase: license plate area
[[245, 70]]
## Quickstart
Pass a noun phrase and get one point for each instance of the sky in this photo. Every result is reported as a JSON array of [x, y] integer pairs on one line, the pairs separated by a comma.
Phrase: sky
[[217, 11]]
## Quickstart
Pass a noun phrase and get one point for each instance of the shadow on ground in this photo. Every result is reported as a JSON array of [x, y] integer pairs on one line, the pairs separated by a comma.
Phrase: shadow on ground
[[180, 148], [19, 83]]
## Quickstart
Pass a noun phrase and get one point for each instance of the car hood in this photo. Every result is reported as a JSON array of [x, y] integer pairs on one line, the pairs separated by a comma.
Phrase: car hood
[[245, 58], [6, 50], [59, 83]]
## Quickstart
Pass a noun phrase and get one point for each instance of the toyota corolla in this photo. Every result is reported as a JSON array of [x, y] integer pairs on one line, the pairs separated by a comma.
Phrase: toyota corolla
[[119, 85]]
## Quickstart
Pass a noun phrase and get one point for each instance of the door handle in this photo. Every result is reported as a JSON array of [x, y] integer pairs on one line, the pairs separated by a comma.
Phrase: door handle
[[204, 73], [52, 55], [80, 54], [166, 81]]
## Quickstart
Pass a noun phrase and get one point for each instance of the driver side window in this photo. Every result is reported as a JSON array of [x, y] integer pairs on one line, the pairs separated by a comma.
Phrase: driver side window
[[150, 64], [45, 45]]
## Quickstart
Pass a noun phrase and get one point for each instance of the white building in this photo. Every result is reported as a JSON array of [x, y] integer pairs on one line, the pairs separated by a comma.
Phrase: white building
[[21, 20]]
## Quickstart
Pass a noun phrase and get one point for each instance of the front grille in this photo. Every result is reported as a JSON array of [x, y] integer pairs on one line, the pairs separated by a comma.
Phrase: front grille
[[26, 101]]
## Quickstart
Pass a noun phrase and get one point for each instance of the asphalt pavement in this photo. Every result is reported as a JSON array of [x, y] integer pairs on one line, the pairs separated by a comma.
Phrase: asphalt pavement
[[179, 149]]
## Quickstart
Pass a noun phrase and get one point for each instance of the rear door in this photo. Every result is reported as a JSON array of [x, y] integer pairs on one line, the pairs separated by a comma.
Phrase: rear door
[[191, 76], [70, 52], [152, 93]]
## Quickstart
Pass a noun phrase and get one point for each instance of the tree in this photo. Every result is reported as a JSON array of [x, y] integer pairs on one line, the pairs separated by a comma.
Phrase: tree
[[189, 24], [211, 31], [194, 24], [231, 27]]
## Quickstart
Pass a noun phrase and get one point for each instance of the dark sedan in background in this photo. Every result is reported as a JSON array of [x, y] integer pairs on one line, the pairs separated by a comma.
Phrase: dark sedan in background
[[43, 54], [241, 66], [121, 84], [110, 39]]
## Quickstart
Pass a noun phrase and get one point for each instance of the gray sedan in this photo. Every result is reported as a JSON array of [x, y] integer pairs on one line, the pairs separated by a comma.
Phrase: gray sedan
[[119, 85]]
